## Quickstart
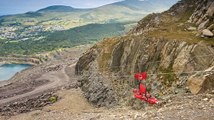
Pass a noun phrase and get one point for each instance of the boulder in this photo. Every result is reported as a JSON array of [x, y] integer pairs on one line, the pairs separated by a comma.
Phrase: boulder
[[201, 82], [207, 33], [192, 29]]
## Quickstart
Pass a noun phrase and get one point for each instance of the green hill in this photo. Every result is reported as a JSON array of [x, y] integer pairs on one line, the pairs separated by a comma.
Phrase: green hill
[[61, 39], [69, 17], [57, 8], [64, 26]]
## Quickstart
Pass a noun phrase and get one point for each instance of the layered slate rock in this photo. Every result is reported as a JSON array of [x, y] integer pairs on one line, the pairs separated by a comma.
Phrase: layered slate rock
[[203, 16], [201, 82]]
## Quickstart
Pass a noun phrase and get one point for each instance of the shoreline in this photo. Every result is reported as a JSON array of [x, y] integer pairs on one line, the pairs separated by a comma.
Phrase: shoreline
[[30, 61], [12, 71], [8, 81], [49, 74], [40, 59], [14, 62]]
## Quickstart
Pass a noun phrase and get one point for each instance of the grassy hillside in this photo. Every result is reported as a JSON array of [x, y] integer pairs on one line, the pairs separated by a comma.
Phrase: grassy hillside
[[68, 17], [60, 26], [61, 39]]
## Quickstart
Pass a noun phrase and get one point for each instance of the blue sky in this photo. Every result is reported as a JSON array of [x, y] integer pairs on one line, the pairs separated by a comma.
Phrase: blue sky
[[21, 6]]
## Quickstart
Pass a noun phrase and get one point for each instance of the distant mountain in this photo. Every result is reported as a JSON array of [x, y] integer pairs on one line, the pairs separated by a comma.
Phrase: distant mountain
[[35, 27], [68, 17], [57, 8], [147, 5]]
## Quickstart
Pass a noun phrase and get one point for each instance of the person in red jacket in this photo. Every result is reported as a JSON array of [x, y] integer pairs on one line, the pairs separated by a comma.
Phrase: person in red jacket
[[141, 93]]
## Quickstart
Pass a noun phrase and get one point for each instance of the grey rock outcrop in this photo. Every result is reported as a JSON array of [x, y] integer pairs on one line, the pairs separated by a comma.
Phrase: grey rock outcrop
[[207, 33], [203, 16], [201, 82], [27, 105], [177, 60], [96, 88]]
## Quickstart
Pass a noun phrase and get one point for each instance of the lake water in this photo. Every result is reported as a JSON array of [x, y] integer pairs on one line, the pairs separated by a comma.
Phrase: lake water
[[7, 71]]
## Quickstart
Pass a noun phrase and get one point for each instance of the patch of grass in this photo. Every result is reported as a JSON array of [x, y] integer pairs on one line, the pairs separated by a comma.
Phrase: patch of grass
[[175, 33], [168, 79], [13, 41], [174, 28], [53, 99]]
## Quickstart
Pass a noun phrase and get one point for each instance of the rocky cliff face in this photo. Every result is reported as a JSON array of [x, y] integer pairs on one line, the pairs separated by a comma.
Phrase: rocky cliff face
[[177, 61], [203, 17]]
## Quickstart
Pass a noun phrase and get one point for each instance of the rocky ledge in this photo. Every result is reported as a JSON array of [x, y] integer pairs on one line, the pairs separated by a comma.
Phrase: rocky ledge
[[28, 104]]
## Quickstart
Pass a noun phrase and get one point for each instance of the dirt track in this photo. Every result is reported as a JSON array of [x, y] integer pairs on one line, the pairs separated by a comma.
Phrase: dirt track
[[55, 78], [52, 75], [73, 106]]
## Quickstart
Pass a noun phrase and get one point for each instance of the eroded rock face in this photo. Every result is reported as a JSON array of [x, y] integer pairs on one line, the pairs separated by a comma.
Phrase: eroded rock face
[[85, 60], [201, 82], [97, 88], [203, 16], [33, 61], [169, 62], [193, 58], [135, 54]]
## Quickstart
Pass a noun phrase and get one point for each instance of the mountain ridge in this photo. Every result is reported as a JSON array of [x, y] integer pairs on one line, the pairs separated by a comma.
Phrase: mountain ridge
[[57, 8], [62, 8], [134, 4], [148, 5]]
